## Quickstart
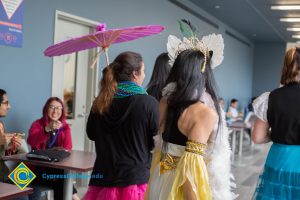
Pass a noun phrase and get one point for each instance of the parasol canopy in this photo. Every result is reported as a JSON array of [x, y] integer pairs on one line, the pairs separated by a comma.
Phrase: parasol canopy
[[102, 38]]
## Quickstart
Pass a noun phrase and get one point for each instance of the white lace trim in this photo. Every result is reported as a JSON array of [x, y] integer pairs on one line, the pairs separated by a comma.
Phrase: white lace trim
[[260, 106], [168, 90]]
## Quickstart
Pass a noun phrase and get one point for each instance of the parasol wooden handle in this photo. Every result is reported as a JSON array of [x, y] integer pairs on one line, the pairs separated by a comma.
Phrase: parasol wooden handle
[[106, 55], [95, 59]]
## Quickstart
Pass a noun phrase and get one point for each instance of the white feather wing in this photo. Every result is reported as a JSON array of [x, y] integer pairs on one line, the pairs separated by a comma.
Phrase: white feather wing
[[215, 43]]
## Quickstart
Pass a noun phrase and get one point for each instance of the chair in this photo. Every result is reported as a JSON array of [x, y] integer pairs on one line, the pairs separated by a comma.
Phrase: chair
[[11, 165]]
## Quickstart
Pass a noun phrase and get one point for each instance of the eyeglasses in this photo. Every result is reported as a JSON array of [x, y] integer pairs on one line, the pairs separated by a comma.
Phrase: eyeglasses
[[5, 103], [59, 108]]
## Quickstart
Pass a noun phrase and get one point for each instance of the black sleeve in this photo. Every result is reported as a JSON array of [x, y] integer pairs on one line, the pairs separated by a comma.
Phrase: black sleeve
[[154, 117], [91, 126], [270, 114]]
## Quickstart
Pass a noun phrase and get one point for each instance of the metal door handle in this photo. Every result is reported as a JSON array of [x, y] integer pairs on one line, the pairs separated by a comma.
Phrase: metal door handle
[[82, 115]]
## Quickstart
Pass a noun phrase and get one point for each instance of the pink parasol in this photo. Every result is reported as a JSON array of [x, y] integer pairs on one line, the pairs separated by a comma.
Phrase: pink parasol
[[102, 38]]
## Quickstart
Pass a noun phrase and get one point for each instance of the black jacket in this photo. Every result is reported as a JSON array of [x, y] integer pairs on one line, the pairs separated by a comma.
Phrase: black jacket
[[123, 140]]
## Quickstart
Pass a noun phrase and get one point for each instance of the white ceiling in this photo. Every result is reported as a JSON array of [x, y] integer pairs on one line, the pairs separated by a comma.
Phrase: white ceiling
[[253, 18]]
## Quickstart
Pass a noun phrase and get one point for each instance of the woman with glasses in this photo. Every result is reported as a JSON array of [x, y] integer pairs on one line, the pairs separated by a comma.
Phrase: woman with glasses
[[279, 121], [10, 143], [50, 131]]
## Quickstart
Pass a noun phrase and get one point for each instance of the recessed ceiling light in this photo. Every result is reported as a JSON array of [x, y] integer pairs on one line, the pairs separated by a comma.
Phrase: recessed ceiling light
[[285, 7], [296, 36], [217, 7], [290, 19], [293, 29]]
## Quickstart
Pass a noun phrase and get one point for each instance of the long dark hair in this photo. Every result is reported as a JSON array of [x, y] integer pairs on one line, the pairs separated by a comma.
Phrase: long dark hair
[[159, 76], [121, 69], [2, 93], [190, 85]]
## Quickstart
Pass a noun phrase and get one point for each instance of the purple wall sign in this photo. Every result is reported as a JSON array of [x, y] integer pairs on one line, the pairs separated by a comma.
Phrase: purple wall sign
[[11, 22]]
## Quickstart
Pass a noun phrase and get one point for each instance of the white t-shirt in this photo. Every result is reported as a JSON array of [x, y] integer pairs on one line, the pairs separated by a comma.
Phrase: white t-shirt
[[234, 112]]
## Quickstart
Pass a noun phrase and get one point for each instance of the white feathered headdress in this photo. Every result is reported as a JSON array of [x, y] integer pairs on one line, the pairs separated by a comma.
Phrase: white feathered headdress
[[212, 42]]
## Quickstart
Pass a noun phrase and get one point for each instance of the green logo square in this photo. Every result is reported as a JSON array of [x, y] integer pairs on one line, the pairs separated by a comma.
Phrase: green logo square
[[22, 176]]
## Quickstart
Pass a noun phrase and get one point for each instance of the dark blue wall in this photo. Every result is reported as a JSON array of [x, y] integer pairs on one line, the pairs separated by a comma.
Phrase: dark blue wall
[[268, 61]]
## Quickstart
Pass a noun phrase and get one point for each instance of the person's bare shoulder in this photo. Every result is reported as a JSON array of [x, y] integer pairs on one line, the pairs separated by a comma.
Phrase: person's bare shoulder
[[200, 111], [197, 112], [197, 121]]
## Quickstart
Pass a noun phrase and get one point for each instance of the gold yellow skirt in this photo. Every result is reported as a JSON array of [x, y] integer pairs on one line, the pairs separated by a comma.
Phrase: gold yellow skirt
[[167, 184]]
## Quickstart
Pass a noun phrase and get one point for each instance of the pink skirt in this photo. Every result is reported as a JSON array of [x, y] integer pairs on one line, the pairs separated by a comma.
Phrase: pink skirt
[[131, 192]]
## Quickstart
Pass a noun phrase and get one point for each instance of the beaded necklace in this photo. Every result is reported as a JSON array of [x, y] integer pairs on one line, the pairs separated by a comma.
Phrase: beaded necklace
[[128, 88]]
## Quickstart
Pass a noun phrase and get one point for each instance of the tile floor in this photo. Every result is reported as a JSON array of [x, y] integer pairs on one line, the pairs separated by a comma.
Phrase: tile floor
[[247, 168]]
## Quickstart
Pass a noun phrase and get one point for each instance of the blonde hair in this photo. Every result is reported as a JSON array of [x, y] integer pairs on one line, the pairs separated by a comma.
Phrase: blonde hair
[[291, 66]]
